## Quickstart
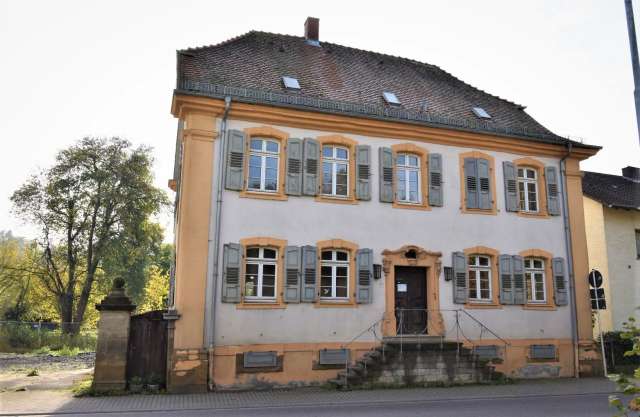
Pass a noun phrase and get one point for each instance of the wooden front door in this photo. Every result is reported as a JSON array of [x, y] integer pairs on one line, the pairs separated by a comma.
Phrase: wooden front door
[[411, 300]]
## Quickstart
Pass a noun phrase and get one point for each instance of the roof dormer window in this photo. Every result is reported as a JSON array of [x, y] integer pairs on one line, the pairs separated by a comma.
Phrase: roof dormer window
[[481, 113], [291, 83], [391, 98]]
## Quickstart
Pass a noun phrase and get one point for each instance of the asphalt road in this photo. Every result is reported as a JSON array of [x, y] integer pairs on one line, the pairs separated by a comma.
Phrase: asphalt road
[[584, 405]]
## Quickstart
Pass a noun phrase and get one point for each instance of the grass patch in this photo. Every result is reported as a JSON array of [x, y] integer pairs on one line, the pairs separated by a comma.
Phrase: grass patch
[[64, 350], [83, 388]]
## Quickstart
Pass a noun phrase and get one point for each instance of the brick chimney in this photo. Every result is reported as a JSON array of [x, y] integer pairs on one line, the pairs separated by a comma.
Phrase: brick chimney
[[312, 31], [631, 173]]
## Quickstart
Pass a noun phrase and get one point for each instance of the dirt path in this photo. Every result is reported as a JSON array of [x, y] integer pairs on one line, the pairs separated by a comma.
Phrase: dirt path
[[53, 372]]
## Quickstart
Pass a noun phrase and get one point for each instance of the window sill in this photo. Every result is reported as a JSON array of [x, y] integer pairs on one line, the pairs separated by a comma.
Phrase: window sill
[[538, 215], [543, 360], [411, 206], [338, 200], [541, 306], [481, 305], [491, 212], [263, 195], [336, 303], [248, 305]]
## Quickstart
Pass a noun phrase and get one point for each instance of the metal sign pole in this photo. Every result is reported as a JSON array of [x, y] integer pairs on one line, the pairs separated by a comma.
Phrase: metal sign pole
[[595, 290]]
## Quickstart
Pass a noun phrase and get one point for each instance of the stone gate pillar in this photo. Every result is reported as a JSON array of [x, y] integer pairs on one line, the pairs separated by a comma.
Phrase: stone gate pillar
[[113, 340]]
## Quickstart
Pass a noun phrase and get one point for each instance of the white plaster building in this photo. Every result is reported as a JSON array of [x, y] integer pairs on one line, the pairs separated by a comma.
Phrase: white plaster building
[[329, 198]]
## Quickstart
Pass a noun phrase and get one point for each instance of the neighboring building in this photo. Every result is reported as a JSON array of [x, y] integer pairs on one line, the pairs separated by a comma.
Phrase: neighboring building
[[612, 216], [323, 189]]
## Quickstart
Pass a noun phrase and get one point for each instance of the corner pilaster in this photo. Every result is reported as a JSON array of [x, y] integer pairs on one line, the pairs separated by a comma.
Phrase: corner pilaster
[[187, 365], [588, 355]]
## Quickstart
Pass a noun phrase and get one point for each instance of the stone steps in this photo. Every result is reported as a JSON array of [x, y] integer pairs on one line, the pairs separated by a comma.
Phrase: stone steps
[[420, 361]]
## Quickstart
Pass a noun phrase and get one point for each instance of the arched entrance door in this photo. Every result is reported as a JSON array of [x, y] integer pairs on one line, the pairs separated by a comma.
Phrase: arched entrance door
[[412, 302]]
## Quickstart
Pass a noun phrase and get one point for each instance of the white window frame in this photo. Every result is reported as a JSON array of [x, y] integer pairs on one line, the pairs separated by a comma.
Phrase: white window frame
[[335, 161], [406, 167], [475, 268], [263, 154], [524, 196], [334, 263], [534, 272], [261, 261]]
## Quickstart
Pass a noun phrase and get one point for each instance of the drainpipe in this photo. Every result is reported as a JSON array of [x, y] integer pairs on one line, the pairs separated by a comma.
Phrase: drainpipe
[[214, 238], [569, 249]]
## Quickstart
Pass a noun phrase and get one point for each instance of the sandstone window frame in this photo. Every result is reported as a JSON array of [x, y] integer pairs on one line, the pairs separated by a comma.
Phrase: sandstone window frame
[[269, 133], [261, 261], [264, 155]]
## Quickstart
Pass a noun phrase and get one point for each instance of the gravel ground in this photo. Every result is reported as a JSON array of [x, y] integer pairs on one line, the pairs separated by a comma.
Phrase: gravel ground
[[14, 362]]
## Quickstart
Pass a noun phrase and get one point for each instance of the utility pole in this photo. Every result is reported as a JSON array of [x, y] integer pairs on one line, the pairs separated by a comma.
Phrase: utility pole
[[633, 44]]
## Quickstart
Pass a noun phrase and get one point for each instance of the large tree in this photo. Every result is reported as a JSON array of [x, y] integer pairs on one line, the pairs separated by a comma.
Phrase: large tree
[[97, 193]]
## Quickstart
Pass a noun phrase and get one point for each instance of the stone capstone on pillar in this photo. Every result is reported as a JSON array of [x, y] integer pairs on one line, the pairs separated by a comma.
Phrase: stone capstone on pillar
[[113, 340]]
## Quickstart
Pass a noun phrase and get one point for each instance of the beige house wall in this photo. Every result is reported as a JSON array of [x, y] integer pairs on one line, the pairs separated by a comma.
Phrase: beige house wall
[[624, 267], [598, 256]]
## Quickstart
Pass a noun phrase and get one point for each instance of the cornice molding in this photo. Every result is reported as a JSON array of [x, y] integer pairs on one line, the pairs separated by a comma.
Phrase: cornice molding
[[259, 113]]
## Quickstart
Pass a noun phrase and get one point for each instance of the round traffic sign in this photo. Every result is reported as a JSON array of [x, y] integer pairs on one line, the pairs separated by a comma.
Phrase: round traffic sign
[[595, 278]]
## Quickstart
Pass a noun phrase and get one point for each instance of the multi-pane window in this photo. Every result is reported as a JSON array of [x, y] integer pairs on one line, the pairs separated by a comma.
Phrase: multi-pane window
[[260, 274], [408, 174], [335, 171], [479, 278], [334, 274], [534, 276], [528, 189], [264, 159]]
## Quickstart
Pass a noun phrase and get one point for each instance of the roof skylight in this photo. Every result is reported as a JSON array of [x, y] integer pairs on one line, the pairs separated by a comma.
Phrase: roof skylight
[[391, 98], [481, 113], [290, 82]]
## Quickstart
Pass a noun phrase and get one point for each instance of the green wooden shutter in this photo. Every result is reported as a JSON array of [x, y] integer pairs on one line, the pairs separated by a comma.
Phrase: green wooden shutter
[[519, 290], [553, 196], [506, 279], [309, 273], [311, 162], [510, 186], [484, 193], [385, 156], [471, 182], [363, 171], [364, 273], [460, 278], [292, 268], [559, 282], [294, 167], [435, 180], [234, 175], [231, 267]]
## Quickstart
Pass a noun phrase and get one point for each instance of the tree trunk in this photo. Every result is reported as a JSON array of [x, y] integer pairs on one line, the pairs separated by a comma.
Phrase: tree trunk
[[65, 304], [86, 292]]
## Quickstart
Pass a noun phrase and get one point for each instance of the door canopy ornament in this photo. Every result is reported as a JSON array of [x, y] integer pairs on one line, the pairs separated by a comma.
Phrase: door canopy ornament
[[412, 253]]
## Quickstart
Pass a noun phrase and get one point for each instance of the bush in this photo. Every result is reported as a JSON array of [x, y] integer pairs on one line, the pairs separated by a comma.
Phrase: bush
[[615, 346], [28, 337], [20, 337]]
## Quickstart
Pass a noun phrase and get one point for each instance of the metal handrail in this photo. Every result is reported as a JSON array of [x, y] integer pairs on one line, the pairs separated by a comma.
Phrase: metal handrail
[[400, 333], [484, 326], [368, 329], [372, 329]]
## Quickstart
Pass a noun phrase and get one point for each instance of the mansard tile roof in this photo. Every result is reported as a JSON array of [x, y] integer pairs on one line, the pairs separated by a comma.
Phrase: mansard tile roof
[[340, 79]]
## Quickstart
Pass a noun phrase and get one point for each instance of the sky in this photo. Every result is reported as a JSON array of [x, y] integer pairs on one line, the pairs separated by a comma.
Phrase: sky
[[70, 69]]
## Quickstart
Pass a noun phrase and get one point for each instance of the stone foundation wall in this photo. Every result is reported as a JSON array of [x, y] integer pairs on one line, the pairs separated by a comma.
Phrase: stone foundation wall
[[187, 371], [420, 368]]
